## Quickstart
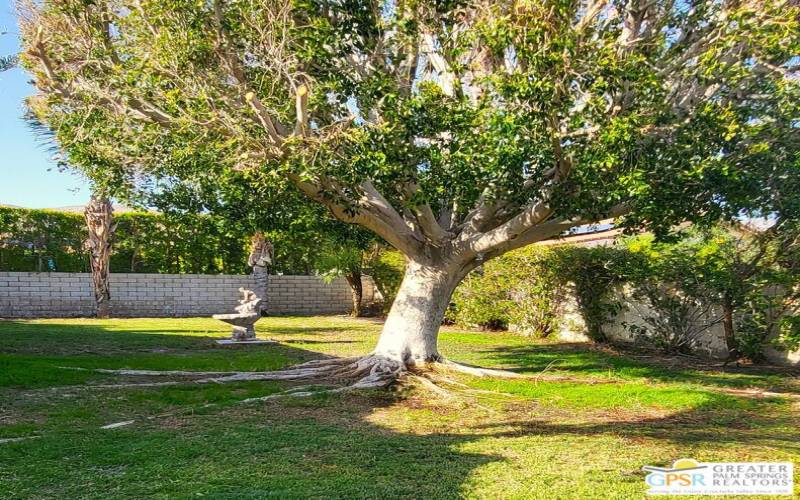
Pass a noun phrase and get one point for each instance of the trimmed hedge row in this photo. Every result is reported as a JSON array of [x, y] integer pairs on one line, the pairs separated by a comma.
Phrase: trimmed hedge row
[[41, 240], [46, 240]]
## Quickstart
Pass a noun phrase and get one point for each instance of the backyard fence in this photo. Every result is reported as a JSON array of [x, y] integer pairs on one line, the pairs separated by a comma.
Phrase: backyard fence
[[60, 295]]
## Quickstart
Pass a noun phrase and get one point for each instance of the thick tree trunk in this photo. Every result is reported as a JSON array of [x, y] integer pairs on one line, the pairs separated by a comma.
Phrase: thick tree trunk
[[356, 288], [411, 331]]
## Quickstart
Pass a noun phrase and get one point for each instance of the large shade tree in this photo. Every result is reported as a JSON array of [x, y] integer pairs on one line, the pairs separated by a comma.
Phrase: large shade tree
[[455, 130]]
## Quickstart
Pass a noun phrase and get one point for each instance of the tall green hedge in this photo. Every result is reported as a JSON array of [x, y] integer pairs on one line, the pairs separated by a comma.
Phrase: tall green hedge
[[156, 243], [46, 240], [41, 240]]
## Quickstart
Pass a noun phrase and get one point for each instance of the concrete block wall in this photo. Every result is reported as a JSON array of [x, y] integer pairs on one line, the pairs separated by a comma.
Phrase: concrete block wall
[[710, 344], [62, 295]]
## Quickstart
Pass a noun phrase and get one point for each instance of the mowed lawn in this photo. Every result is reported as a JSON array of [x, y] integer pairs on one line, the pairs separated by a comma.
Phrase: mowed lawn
[[581, 425]]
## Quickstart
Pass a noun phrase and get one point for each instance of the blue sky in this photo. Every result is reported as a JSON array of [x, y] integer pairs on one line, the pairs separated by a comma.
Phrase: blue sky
[[28, 175]]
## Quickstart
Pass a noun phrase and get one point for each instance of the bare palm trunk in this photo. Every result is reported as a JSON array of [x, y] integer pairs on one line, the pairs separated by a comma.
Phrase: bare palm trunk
[[356, 288], [99, 222]]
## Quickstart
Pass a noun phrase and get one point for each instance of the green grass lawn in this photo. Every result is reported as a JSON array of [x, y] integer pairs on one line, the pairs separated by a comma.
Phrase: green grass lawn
[[580, 426]]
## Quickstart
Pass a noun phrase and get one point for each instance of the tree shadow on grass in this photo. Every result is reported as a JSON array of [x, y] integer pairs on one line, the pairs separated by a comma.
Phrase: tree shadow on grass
[[310, 341], [284, 455], [34, 355], [335, 447], [766, 423], [70, 338], [582, 359], [321, 330], [20, 336]]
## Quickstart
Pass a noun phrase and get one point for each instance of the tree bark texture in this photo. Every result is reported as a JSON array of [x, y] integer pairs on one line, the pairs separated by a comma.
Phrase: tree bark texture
[[99, 220], [411, 331], [357, 289]]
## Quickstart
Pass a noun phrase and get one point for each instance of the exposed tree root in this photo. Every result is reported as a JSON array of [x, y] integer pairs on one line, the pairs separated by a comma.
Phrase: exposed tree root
[[430, 385], [449, 390], [140, 385], [356, 372], [17, 439], [353, 373], [478, 371], [439, 378], [299, 392]]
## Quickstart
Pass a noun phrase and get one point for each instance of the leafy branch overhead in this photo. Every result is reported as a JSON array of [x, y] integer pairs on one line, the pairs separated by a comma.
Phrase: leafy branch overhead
[[488, 124]]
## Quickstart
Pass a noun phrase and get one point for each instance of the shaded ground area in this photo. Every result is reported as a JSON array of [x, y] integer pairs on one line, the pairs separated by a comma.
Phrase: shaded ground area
[[580, 425]]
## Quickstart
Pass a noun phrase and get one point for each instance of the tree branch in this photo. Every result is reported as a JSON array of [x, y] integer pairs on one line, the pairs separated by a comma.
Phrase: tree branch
[[375, 200], [392, 228], [533, 214], [301, 110], [423, 214], [615, 212], [275, 130], [497, 246], [447, 79]]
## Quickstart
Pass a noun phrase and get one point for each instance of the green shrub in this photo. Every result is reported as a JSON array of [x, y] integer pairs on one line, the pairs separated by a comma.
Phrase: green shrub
[[595, 272], [520, 289], [47, 240], [528, 288], [753, 276]]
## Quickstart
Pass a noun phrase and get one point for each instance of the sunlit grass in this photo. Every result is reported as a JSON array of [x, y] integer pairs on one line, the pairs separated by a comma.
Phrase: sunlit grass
[[581, 425]]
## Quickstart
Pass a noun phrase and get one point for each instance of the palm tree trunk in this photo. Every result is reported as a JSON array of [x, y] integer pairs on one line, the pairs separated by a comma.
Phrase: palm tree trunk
[[99, 220]]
